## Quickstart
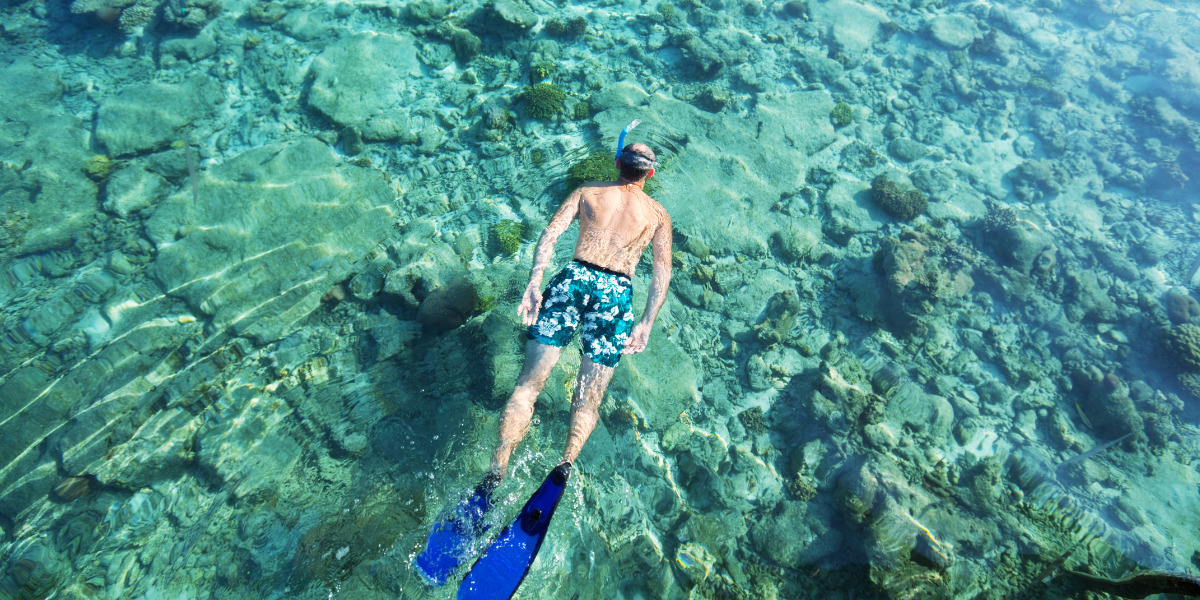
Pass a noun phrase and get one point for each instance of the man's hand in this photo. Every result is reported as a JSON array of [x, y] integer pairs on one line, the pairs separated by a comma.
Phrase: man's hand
[[530, 302], [639, 338]]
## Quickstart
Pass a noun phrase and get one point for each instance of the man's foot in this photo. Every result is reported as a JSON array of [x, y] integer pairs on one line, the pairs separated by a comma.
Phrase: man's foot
[[451, 541], [561, 472], [505, 563]]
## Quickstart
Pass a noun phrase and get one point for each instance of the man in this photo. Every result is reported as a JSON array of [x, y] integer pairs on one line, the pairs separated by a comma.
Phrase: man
[[617, 220], [592, 295]]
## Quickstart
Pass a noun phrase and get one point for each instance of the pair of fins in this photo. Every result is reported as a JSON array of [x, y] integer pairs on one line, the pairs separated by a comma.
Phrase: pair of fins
[[501, 568]]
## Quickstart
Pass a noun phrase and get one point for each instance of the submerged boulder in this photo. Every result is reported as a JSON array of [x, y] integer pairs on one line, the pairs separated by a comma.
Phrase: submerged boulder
[[363, 76], [235, 253], [150, 116]]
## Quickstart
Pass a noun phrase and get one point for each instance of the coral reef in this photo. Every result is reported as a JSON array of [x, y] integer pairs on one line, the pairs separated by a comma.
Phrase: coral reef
[[752, 420], [542, 101], [801, 488], [266, 12], [98, 167], [540, 72], [581, 111], [507, 234], [572, 27], [901, 204], [841, 115], [597, 167], [1183, 344]]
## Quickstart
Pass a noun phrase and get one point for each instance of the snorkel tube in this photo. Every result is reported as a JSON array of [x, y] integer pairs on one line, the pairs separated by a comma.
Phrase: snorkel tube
[[621, 138]]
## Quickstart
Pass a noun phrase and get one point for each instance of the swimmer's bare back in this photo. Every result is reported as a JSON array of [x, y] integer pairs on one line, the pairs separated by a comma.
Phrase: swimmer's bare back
[[617, 220], [616, 223]]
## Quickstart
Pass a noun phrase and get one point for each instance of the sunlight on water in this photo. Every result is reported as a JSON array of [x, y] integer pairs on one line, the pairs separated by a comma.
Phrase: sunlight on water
[[933, 328]]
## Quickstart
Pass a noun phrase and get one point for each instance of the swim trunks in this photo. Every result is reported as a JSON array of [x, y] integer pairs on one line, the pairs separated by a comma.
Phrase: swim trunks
[[600, 299]]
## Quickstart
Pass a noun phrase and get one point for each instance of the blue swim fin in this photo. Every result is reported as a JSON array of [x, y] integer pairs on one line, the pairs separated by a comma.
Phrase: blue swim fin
[[450, 540], [503, 566]]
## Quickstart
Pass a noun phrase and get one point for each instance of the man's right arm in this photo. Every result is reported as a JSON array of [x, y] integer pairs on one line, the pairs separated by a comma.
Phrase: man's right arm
[[528, 310]]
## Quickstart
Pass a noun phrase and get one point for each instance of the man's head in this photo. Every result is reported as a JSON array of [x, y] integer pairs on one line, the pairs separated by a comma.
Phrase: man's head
[[636, 162]]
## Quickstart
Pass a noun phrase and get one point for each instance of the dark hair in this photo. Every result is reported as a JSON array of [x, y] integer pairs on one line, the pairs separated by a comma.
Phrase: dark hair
[[636, 162]]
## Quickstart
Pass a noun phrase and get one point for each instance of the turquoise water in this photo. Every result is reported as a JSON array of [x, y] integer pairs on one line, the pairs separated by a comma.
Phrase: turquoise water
[[259, 320]]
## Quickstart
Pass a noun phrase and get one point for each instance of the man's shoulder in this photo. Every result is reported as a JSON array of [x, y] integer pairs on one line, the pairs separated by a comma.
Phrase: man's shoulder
[[659, 210]]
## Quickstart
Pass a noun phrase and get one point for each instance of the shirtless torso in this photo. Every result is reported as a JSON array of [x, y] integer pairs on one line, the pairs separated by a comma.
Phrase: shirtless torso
[[616, 223], [617, 220]]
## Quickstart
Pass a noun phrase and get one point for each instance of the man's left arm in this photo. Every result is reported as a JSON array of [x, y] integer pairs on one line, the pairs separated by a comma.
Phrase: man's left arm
[[658, 287]]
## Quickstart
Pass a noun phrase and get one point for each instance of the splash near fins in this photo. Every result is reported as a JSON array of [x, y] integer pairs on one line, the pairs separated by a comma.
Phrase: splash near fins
[[450, 540], [503, 566]]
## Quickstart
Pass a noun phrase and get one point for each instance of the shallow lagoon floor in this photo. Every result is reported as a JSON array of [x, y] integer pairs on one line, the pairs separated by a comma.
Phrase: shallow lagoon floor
[[259, 263]]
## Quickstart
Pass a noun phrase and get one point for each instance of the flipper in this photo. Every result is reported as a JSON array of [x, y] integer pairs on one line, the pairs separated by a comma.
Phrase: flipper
[[503, 566], [450, 540]]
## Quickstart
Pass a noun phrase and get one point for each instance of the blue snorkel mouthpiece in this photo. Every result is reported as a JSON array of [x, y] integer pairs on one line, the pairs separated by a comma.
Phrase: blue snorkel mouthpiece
[[621, 138]]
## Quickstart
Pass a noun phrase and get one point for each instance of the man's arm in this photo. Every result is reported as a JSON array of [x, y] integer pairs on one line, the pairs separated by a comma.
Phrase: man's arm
[[532, 300], [658, 287]]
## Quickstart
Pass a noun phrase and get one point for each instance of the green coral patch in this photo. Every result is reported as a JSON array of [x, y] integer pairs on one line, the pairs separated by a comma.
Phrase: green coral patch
[[598, 167], [507, 234], [543, 101], [901, 204]]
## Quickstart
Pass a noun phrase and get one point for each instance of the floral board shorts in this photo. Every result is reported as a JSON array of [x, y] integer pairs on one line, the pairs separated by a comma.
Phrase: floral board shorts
[[600, 299]]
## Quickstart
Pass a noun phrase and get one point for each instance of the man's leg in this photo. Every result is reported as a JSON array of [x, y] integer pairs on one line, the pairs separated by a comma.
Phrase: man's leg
[[585, 406], [514, 423]]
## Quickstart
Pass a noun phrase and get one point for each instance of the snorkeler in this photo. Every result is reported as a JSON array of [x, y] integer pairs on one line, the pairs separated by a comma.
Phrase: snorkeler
[[591, 295]]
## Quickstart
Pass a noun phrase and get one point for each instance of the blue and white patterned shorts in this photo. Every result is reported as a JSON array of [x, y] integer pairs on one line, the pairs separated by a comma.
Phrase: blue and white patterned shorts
[[602, 301]]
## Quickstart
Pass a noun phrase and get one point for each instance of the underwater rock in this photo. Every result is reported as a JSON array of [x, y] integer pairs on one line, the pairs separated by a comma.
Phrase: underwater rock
[[779, 318], [191, 14], [254, 451], [954, 31], [266, 12], [132, 189], [758, 374], [236, 255], [1034, 179], [149, 116], [1088, 297], [448, 306], [920, 411], [906, 150], [1181, 307], [306, 26], [851, 27], [676, 437], [1107, 405], [700, 60], [365, 75], [621, 94], [427, 265], [159, 450], [33, 573], [694, 563], [750, 483], [46, 197], [801, 534], [194, 49], [365, 285], [843, 216], [661, 380], [799, 240], [514, 14]]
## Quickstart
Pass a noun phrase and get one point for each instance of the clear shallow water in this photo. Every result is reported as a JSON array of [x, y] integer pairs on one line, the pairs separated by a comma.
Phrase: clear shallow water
[[258, 324]]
